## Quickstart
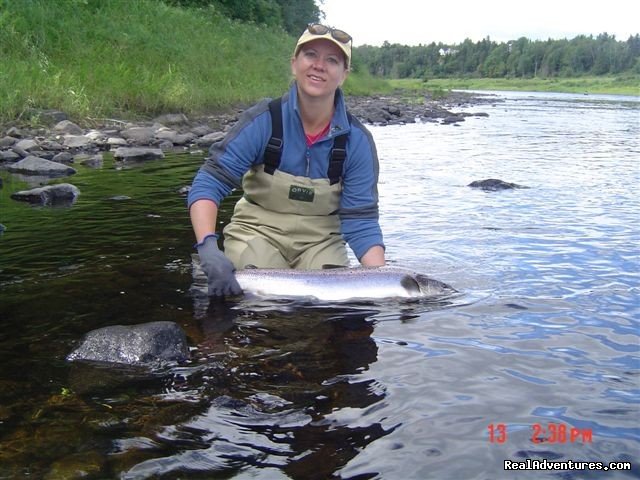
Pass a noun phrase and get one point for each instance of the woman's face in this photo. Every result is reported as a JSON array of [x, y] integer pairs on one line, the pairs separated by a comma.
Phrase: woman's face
[[319, 68]]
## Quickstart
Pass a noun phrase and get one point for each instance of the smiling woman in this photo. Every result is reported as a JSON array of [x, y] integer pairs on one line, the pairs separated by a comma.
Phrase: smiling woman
[[303, 142]]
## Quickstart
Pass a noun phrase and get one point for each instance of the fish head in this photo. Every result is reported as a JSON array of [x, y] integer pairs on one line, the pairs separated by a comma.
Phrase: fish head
[[430, 287]]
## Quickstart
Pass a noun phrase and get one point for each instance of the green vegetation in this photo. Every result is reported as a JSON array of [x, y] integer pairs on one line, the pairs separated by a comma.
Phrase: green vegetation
[[292, 15], [101, 58], [619, 85], [522, 58], [134, 59]]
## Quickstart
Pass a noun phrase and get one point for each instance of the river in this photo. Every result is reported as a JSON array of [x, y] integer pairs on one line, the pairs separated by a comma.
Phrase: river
[[537, 358]]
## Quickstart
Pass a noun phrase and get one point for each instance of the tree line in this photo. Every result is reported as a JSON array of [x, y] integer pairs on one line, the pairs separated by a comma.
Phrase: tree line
[[583, 55]]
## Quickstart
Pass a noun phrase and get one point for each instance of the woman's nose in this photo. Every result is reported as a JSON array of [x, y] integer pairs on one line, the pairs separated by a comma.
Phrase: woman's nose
[[319, 64]]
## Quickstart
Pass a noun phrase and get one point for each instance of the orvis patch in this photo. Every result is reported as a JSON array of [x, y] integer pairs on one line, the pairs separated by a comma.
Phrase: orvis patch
[[302, 194]]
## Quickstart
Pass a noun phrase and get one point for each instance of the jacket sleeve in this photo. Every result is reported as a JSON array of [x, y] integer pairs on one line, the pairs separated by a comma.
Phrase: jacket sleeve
[[359, 205], [230, 158]]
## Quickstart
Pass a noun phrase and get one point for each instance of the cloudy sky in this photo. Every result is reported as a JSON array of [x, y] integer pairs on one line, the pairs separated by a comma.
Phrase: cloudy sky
[[413, 22]]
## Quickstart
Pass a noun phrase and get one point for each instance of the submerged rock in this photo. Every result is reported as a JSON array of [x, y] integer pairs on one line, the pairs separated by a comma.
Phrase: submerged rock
[[494, 184], [137, 153], [60, 194], [33, 165], [142, 344]]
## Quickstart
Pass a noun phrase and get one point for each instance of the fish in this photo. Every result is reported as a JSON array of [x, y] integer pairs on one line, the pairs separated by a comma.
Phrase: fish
[[342, 284]]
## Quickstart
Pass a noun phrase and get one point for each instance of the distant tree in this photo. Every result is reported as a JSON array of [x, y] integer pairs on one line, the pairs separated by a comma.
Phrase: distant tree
[[522, 58]]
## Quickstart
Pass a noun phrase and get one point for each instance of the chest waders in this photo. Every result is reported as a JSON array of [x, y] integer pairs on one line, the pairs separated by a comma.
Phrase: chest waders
[[284, 220]]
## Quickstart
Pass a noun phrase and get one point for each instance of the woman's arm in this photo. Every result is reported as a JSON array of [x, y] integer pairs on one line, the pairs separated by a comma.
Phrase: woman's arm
[[204, 214], [374, 257]]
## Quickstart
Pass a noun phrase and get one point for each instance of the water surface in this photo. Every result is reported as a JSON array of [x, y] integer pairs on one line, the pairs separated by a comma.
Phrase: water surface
[[543, 338]]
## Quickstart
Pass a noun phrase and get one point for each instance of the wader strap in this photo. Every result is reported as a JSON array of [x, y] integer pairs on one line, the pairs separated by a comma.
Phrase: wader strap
[[273, 152], [338, 155]]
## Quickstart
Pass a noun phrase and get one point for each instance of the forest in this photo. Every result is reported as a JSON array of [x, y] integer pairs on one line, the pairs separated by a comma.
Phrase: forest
[[521, 58]]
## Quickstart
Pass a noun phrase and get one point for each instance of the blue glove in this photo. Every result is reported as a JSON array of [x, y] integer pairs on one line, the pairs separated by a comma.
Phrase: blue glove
[[218, 268]]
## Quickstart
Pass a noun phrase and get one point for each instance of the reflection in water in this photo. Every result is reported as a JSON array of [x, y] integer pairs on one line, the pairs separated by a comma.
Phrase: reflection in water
[[282, 377]]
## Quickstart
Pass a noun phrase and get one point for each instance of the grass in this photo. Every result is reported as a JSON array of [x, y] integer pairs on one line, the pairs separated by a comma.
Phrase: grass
[[121, 57], [135, 59], [619, 85]]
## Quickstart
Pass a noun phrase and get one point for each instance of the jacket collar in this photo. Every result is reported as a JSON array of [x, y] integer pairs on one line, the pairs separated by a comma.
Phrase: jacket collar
[[339, 121]]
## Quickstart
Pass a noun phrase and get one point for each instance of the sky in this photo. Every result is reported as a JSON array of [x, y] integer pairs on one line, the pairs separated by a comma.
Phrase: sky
[[414, 22]]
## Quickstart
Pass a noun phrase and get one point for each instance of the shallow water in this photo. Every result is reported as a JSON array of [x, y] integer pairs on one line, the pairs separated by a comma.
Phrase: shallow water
[[541, 342]]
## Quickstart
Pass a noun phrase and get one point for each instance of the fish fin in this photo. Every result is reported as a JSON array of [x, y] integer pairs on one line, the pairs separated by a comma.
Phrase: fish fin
[[331, 266], [410, 284]]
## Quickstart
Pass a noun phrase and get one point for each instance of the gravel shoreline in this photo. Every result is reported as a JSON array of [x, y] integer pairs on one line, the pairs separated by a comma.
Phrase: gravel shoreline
[[49, 151]]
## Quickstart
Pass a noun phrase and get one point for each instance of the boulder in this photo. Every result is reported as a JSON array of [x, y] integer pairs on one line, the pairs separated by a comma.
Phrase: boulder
[[139, 135], [38, 166], [76, 141], [27, 144], [494, 184], [209, 139], [68, 127], [8, 156], [7, 141], [116, 141], [63, 194], [143, 344], [137, 153]]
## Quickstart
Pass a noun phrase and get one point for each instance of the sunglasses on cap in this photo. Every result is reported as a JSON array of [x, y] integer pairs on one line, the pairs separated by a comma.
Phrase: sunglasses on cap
[[339, 35]]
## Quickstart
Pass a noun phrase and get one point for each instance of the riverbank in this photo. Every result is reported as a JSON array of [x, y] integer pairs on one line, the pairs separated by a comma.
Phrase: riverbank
[[612, 85], [51, 149]]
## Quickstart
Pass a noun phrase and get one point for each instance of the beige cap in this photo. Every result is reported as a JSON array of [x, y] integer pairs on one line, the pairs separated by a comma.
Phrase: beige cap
[[307, 37]]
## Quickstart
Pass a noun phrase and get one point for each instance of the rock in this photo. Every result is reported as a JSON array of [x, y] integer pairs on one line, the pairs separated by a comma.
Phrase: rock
[[20, 151], [452, 119], [139, 135], [27, 145], [9, 156], [97, 137], [137, 153], [201, 130], [166, 134], [15, 132], [210, 139], [68, 127], [76, 141], [494, 184], [63, 157], [93, 161], [7, 141], [174, 137], [143, 344], [37, 166], [172, 119], [58, 195], [49, 117], [51, 145], [116, 141]]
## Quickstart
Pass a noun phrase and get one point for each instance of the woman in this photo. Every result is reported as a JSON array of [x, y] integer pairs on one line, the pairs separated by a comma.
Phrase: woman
[[309, 172]]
